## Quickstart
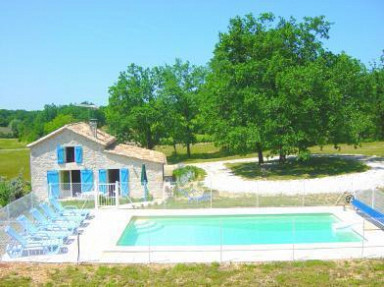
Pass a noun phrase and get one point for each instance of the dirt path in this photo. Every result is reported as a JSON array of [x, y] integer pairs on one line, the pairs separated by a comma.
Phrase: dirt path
[[220, 178]]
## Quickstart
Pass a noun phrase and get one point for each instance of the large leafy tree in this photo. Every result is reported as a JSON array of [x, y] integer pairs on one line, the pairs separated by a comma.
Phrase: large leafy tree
[[182, 83], [252, 105], [133, 112], [375, 86]]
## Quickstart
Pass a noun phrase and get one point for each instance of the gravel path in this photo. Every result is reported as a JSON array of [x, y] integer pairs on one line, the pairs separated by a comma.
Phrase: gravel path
[[222, 179]]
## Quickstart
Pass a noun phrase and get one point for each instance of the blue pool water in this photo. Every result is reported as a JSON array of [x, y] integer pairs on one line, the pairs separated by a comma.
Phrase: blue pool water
[[234, 230]]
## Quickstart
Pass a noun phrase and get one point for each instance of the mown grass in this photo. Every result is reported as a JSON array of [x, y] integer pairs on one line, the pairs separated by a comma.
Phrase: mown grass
[[12, 162], [11, 144], [368, 148], [315, 167], [14, 158], [308, 273]]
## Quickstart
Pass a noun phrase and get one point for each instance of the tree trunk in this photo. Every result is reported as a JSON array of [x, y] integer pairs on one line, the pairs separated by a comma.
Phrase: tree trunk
[[150, 144], [282, 156], [174, 147], [260, 153], [189, 150]]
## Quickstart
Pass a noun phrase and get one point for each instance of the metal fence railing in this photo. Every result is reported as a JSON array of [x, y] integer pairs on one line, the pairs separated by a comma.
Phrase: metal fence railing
[[295, 243], [374, 198], [184, 195]]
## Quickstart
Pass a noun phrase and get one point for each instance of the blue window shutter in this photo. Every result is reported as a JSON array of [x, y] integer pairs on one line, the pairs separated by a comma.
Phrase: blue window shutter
[[78, 154], [124, 179], [102, 180], [86, 180], [53, 183], [60, 154]]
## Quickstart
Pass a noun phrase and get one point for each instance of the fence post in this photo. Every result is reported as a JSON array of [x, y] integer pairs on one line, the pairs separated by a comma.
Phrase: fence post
[[221, 241], [211, 194], [363, 239], [373, 198], [117, 189], [257, 194], [96, 196], [78, 248], [293, 239]]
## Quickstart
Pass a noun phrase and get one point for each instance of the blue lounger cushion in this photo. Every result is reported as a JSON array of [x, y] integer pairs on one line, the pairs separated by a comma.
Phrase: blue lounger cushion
[[367, 210]]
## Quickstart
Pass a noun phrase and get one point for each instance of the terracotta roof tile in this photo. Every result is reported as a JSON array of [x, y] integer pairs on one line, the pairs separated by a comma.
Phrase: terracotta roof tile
[[82, 129], [138, 152]]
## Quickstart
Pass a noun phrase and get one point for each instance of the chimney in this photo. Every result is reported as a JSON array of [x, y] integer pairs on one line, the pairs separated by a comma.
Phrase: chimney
[[93, 126]]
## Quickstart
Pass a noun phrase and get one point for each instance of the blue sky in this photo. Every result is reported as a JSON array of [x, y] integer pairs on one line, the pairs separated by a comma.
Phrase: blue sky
[[70, 51]]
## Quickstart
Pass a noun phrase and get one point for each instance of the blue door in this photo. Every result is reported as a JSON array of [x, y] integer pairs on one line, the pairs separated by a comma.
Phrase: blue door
[[102, 180], [53, 183], [124, 179], [86, 180]]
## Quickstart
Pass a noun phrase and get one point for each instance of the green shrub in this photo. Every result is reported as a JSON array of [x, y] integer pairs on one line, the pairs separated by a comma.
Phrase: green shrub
[[12, 189], [189, 173]]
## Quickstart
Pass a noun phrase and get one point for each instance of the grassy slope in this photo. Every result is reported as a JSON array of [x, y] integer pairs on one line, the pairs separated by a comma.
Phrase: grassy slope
[[309, 273], [315, 167], [14, 157]]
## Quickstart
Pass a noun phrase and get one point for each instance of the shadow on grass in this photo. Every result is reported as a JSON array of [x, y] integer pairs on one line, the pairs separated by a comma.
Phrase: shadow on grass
[[315, 167]]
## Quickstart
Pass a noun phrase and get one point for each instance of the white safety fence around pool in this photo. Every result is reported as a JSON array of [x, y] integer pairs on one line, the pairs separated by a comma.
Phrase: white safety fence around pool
[[186, 196], [361, 240], [374, 198]]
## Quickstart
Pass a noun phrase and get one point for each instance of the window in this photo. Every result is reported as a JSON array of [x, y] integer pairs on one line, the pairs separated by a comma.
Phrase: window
[[69, 154]]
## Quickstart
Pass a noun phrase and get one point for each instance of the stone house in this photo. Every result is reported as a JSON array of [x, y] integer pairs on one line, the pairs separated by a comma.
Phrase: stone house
[[79, 158]]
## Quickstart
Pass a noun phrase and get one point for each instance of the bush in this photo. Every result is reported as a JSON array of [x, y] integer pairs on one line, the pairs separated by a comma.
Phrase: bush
[[189, 173], [12, 189]]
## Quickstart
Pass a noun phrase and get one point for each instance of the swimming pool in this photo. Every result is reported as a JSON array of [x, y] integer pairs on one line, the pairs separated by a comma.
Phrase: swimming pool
[[235, 230]]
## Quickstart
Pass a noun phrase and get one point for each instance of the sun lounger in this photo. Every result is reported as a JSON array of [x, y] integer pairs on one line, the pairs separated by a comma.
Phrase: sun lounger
[[68, 210], [22, 245], [53, 215], [193, 196], [34, 230], [41, 219], [375, 216]]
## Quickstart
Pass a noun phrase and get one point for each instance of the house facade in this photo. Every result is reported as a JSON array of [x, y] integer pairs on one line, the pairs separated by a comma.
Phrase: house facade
[[78, 159]]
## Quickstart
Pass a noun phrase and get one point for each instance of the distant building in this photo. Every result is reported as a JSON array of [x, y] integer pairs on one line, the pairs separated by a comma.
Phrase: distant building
[[78, 158]]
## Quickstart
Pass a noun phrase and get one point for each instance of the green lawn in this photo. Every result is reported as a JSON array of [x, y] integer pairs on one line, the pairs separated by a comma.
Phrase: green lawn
[[369, 148], [14, 158], [12, 162], [315, 167], [308, 273], [11, 144]]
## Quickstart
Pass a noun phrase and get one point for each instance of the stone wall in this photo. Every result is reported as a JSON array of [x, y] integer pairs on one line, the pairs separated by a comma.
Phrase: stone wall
[[44, 157]]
